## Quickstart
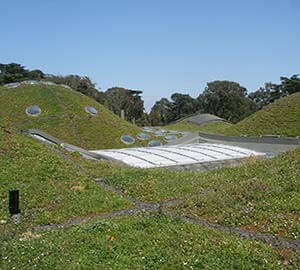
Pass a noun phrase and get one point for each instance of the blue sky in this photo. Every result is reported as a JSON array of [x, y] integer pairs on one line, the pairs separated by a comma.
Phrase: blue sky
[[158, 46]]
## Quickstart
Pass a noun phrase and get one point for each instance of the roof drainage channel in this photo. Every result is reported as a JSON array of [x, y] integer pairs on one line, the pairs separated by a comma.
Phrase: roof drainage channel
[[46, 138], [41, 138]]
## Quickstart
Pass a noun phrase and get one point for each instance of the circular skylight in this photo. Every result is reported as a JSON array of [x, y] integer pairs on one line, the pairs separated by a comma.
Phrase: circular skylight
[[148, 129], [91, 110], [170, 137], [143, 136], [33, 110], [159, 132], [154, 143], [127, 139]]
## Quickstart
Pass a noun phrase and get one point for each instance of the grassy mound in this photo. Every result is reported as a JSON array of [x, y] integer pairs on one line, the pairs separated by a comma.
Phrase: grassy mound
[[51, 190], [281, 117], [211, 127], [63, 116]]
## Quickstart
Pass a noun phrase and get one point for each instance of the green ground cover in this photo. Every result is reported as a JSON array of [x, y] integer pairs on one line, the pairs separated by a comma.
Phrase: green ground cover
[[51, 190], [258, 195], [281, 117], [145, 241], [64, 116], [212, 127]]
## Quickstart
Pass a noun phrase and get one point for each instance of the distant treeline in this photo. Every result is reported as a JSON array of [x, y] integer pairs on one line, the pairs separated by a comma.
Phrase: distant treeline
[[226, 99]]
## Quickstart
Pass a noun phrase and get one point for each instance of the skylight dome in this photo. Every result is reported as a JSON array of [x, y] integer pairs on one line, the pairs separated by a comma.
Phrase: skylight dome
[[159, 132], [143, 136], [127, 139], [91, 110], [154, 143], [170, 137], [33, 110]]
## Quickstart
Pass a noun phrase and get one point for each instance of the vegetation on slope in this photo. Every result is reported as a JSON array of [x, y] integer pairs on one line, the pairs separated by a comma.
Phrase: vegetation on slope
[[140, 242], [64, 116], [51, 190], [263, 194], [211, 127], [281, 117], [259, 195]]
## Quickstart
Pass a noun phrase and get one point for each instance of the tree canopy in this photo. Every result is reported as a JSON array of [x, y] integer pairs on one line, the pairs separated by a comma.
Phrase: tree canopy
[[227, 100], [271, 91], [13, 72], [118, 98], [165, 111]]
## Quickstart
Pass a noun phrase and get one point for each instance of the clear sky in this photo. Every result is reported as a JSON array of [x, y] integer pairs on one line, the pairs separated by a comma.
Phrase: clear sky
[[158, 46]]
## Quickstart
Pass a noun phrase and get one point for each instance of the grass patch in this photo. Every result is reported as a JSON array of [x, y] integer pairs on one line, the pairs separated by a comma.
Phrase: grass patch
[[262, 195], [51, 190], [281, 117], [212, 127], [140, 242], [64, 116]]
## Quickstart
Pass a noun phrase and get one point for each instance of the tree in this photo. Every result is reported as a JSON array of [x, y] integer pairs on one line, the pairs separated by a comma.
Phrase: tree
[[13, 72], [143, 120], [226, 99], [271, 91], [82, 84], [118, 98], [161, 112], [36, 74], [155, 118], [182, 105], [290, 85], [263, 95]]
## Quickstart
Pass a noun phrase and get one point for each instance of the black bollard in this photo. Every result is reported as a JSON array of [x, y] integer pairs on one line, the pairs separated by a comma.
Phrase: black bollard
[[14, 202]]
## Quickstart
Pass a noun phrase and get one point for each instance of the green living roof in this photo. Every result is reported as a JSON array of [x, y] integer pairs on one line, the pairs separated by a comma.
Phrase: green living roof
[[281, 117], [66, 114]]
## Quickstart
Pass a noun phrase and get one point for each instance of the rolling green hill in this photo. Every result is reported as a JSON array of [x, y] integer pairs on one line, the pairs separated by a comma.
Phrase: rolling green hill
[[63, 115], [281, 117], [212, 127]]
